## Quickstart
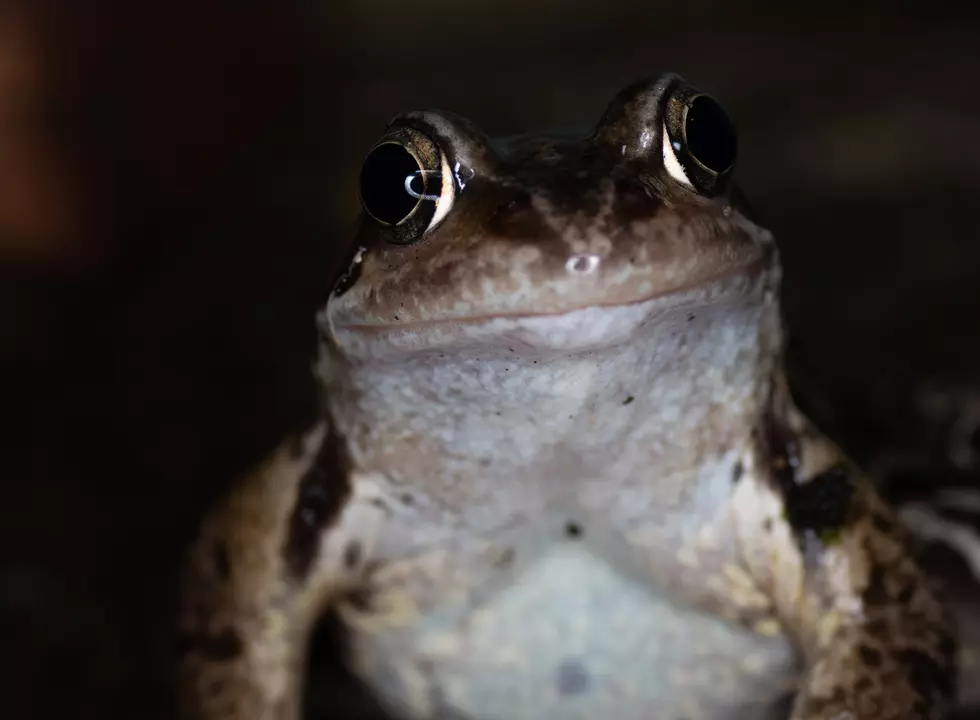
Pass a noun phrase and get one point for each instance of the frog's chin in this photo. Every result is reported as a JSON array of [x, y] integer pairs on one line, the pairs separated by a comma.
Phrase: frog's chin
[[578, 329]]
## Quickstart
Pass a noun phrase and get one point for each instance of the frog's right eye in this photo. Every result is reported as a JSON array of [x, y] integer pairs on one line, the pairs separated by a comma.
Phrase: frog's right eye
[[699, 141], [406, 185]]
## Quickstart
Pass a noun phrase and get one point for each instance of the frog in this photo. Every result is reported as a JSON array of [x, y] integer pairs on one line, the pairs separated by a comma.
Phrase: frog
[[559, 471]]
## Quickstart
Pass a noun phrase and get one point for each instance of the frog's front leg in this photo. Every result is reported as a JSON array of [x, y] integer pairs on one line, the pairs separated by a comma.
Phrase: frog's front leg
[[875, 640], [288, 540]]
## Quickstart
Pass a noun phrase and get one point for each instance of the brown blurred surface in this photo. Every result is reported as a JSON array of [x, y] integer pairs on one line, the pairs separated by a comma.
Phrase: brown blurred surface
[[176, 179]]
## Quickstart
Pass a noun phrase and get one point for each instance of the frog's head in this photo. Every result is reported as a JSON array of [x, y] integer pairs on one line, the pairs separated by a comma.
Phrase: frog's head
[[555, 242]]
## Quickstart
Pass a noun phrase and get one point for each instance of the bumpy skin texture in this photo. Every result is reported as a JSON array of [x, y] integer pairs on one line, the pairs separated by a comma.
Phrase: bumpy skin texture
[[556, 427]]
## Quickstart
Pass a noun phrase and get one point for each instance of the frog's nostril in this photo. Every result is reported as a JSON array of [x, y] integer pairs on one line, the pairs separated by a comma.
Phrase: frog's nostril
[[582, 264]]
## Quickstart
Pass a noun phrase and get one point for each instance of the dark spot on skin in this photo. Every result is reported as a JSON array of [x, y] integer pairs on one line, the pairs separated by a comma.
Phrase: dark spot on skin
[[737, 471], [878, 629], [819, 506], [322, 491], [905, 595], [361, 599], [516, 218], [221, 647], [220, 559], [216, 687], [691, 317], [863, 684], [869, 656], [628, 400], [767, 524], [876, 593], [822, 505], [506, 558], [569, 191], [573, 529], [352, 554], [927, 677], [571, 678], [882, 522], [407, 498]]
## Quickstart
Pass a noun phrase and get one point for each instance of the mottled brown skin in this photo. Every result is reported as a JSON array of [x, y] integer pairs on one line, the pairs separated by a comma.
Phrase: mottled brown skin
[[897, 659], [482, 376], [232, 601]]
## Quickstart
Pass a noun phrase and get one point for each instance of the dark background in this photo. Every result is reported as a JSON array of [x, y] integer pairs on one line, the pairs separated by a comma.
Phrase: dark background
[[177, 178]]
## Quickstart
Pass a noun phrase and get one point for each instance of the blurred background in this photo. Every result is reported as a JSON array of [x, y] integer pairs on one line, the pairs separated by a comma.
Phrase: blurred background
[[178, 178]]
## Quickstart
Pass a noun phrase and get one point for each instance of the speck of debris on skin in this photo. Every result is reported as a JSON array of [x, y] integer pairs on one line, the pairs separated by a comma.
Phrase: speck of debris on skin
[[352, 554], [571, 678]]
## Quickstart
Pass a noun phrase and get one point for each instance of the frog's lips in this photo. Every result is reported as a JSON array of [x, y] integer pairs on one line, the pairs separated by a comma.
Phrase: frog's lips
[[578, 327]]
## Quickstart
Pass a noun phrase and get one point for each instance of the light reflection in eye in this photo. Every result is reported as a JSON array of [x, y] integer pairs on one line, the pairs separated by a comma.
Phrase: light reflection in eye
[[457, 171], [420, 175]]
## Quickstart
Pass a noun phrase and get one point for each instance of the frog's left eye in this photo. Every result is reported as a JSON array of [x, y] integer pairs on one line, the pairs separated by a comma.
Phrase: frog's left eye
[[699, 141], [407, 185]]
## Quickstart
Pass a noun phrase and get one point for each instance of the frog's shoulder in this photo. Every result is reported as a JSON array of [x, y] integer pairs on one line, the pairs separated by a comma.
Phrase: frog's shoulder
[[263, 541], [839, 568]]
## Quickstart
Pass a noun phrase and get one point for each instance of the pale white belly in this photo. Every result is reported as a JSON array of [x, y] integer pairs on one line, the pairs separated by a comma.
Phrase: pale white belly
[[566, 635]]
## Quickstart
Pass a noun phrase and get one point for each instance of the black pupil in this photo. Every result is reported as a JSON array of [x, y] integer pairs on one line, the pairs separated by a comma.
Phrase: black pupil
[[710, 134], [383, 187]]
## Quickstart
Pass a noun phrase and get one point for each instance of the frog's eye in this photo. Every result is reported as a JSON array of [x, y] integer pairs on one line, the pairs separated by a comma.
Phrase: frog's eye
[[406, 184], [699, 141]]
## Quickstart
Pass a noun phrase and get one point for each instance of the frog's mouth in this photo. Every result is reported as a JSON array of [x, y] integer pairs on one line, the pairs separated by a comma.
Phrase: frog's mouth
[[580, 328]]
